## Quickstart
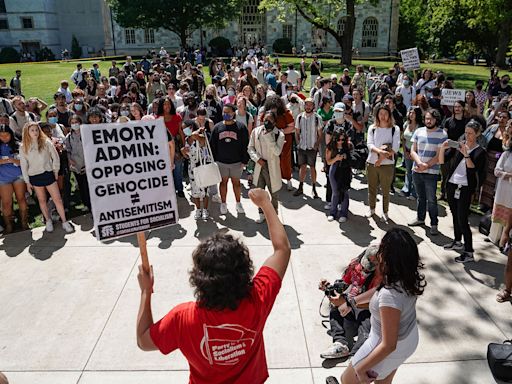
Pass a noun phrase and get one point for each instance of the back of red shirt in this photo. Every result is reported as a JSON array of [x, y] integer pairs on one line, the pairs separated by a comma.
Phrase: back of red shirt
[[222, 346]]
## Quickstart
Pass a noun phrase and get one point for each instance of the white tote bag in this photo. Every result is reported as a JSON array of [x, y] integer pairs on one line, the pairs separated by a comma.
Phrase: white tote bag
[[206, 174]]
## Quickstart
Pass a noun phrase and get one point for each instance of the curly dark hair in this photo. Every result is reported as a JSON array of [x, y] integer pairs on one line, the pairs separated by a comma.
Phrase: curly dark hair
[[400, 262], [275, 102], [222, 272]]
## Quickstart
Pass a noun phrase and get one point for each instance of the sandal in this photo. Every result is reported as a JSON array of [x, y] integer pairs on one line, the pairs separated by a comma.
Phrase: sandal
[[503, 296]]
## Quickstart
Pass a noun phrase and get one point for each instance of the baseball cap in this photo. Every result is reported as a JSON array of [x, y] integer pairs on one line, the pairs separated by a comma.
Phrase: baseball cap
[[333, 76], [308, 100], [348, 97], [339, 107]]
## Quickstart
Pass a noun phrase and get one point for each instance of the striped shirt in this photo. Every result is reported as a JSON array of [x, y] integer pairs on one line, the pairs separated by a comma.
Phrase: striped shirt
[[427, 144], [308, 127]]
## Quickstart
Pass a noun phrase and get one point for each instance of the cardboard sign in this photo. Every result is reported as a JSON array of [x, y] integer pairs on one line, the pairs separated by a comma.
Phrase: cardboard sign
[[450, 96], [130, 178], [410, 59]]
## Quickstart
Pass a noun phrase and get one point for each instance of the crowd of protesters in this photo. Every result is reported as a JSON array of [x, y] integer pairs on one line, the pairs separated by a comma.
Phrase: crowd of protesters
[[260, 121]]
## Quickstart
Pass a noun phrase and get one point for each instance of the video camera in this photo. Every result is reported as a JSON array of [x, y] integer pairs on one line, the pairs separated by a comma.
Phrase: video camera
[[338, 287]]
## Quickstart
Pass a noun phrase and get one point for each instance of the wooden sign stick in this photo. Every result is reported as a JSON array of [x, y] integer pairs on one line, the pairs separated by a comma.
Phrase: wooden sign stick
[[141, 239]]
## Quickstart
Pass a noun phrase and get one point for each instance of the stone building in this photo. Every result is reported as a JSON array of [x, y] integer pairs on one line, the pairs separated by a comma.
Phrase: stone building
[[29, 25]]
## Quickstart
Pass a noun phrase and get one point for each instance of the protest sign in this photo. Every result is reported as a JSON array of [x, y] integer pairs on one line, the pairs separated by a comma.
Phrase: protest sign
[[450, 96], [410, 59], [130, 179]]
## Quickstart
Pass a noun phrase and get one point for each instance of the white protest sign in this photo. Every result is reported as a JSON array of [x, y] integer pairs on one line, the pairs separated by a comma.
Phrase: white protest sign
[[450, 96], [410, 59], [130, 178]]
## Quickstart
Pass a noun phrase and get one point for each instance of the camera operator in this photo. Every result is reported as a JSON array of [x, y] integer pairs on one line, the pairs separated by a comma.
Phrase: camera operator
[[349, 297]]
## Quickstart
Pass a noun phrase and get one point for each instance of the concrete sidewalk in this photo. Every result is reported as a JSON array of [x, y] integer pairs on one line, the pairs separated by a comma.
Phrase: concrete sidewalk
[[69, 303]]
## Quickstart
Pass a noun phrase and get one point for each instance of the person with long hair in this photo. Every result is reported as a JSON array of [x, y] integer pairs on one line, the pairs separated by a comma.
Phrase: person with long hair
[[173, 122], [212, 104], [463, 177], [394, 331], [422, 102], [337, 156], [383, 145], [40, 166], [426, 83], [414, 120], [11, 178], [471, 105]]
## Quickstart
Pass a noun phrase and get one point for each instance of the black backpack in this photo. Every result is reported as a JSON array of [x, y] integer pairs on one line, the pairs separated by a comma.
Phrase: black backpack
[[499, 358]]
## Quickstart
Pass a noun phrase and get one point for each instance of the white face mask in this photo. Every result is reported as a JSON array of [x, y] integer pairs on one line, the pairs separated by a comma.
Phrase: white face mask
[[75, 127], [339, 115], [125, 113], [231, 93]]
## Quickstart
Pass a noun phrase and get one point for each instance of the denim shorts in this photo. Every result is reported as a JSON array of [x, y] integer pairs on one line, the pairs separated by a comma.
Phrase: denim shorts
[[16, 179]]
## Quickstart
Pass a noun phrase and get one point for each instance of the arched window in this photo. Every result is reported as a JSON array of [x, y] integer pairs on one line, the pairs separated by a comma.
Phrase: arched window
[[251, 24], [342, 22], [370, 32]]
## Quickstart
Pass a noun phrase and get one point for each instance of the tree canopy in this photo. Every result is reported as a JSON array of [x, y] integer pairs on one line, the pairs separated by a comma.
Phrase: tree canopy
[[324, 15], [179, 16]]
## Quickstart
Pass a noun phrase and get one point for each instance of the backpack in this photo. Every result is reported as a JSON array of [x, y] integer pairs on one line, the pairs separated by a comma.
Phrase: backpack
[[499, 358], [32, 116]]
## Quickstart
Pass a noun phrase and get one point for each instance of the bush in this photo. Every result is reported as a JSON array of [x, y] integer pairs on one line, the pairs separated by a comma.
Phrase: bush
[[76, 49], [45, 54], [282, 45], [220, 45], [9, 55]]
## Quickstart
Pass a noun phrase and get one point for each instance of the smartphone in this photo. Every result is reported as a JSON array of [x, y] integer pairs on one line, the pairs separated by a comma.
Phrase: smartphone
[[453, 144]]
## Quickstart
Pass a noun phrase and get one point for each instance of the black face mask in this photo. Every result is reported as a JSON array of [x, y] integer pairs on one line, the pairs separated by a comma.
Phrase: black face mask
[[133, 90], [209, 97], [268, 125], [479, 87]]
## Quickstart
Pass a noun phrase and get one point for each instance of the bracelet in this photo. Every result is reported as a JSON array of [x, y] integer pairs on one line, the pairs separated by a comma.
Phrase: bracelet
[[466, 157]]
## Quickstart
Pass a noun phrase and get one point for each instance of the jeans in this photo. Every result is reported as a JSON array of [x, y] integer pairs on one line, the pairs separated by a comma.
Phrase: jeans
[[409, 185], [426, 186], [339, 195], [460, 214], [344, 329], [177, 175]]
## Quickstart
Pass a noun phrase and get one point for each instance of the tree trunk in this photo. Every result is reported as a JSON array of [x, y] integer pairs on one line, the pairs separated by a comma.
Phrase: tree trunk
[[348, 35], [503, 42]]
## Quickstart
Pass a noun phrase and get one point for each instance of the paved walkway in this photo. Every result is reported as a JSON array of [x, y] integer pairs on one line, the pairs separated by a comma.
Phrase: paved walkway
[[68, 303]]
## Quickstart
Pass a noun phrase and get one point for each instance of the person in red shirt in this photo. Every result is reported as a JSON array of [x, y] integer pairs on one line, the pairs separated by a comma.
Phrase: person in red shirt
[[221, 333]]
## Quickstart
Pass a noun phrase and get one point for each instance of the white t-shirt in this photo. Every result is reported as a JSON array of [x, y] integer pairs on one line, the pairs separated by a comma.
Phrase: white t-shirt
[[377, 137], [293, 76], [460, 175]]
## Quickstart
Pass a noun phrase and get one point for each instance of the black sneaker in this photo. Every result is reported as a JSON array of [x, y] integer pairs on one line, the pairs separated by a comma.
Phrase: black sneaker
[[298, 192], [331, 380], [180, 194], [466, 257]]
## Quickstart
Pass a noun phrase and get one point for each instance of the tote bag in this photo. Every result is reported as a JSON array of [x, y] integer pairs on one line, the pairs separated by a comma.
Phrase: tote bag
[[206, 174]]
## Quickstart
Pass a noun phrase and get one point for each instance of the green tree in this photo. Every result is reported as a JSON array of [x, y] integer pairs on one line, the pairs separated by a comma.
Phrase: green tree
[[324, 14], [76, 49], [179, 16]]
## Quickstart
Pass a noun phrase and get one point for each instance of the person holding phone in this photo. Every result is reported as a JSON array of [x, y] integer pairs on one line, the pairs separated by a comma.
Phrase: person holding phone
[[40, 166], [463, 176], [394, 330]]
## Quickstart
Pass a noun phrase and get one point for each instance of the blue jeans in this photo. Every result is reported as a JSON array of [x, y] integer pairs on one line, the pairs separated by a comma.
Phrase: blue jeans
[[426, 186], [177, 175], [409, 185], [339, 195]]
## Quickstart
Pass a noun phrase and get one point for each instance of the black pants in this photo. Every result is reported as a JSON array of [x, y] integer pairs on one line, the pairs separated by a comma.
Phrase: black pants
[[460, 214], [344, 329], [83, 189], [328, 189]]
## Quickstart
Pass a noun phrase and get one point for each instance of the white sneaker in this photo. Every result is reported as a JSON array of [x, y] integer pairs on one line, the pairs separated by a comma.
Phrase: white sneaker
[[289, 185], [223, 209], [67, 227], [335, 351], [327, 206], [240, 209], [342, 219], [370, 213], [216, 199], [261, 219], [205, 214], [384, 218], [197, 215], [49, 226], [330, 218]]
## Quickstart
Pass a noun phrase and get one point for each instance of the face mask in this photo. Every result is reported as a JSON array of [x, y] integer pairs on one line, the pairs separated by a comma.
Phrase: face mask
[[505, 82], [187, 131], [75, 127], [209, 97], [479, 87], [231, 93], [78, 107], [289, 93], [53, 120], [227, 116], [406, 83], [125, 113], [133, 90], [339, 115], [268, 125]]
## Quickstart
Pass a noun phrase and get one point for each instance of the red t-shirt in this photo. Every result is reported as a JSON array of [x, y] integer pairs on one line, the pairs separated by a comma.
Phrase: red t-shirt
[[173, 125], [222, 346]]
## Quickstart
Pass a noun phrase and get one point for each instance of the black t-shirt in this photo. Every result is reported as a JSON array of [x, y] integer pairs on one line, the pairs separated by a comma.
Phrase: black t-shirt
[[455, 128], [63, 117], [229, 143], [499, 91], [315, 69]]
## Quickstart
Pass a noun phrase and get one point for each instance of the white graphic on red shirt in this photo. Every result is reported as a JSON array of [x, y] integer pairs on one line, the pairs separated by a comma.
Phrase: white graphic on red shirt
[[226, 344]]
